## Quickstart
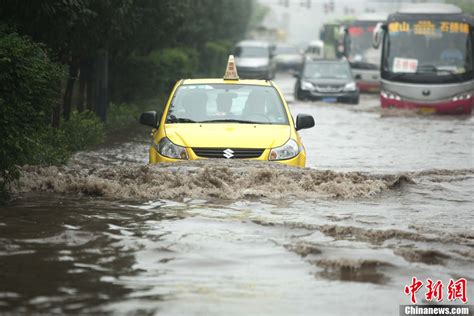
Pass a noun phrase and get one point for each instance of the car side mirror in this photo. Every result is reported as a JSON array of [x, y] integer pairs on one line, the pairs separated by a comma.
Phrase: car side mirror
[[304, 121], [149, 118]]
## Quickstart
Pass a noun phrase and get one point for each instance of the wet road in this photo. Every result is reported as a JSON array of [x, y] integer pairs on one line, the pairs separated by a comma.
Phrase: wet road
[[108, 235]]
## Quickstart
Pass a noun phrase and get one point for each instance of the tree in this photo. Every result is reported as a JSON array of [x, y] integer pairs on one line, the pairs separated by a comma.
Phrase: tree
[[28, 92], [88, 35]]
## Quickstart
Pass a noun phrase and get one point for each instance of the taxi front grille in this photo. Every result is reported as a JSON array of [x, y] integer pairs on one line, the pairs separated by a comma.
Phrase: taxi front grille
[[229, 153]]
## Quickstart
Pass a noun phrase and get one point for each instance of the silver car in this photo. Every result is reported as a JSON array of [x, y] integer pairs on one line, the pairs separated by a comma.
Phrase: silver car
[[288, 57], [254, 60]]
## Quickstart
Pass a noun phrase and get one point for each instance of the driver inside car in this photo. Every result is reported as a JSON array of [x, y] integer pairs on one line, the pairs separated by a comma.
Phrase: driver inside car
[[255, 105], [224, 105]]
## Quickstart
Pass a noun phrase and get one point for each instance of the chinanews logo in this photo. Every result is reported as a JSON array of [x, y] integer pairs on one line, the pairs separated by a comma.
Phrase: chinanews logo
[[435, 292]]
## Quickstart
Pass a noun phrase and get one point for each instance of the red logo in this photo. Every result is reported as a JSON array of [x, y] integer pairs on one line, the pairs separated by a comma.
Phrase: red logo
[[413, 288], [455, 290], [434, 290]]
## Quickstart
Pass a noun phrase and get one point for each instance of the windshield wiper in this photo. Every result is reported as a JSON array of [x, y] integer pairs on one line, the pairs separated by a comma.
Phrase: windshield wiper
[[232, 121], [174, 119], [433, 68], [426, 68]]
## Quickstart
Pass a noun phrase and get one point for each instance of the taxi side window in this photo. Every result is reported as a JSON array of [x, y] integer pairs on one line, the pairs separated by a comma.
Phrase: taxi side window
[[189, 104]]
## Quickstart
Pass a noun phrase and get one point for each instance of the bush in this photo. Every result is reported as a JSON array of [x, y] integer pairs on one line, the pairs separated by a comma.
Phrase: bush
[[29, 88], [83, 130], [122, 115], [145, 77], [172, 64], [214, 58]]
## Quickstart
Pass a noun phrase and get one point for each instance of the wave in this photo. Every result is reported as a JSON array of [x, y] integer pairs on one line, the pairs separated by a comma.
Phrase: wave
[[206, 179]]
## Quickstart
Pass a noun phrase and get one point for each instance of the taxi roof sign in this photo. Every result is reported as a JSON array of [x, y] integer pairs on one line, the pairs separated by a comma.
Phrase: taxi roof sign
[[231, 70]]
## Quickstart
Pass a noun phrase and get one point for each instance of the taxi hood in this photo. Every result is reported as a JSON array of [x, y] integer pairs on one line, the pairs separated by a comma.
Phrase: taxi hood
[[227, 135]]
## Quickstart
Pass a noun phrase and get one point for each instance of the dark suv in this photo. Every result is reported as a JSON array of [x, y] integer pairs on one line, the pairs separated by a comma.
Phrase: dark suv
[[327, 80]]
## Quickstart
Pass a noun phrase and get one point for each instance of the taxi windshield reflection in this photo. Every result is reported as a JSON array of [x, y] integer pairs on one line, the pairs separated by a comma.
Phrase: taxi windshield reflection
[[223, 103]]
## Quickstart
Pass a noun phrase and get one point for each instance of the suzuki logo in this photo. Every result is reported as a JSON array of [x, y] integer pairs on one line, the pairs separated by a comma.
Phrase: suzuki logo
[[228, 153]]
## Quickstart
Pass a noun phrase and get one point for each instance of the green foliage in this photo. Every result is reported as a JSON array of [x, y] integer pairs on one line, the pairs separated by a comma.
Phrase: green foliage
[[122, 115], [151, 44], [51, 146], [82, 130], [74, 30], [172, 64], [48, 147], [214, 58], [211, 20], [28, 92], [145, 77]]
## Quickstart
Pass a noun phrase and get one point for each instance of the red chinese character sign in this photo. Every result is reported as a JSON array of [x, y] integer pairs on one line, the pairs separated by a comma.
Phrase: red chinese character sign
[[414, 287], [434, 290], [457, 290], [405, 65]]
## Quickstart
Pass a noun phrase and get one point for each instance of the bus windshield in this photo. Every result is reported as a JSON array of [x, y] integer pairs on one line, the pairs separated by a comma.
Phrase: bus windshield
[[428, 48], [360, 52]]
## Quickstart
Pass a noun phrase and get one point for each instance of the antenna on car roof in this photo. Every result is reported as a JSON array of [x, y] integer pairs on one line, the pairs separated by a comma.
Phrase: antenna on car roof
[[231, 70]]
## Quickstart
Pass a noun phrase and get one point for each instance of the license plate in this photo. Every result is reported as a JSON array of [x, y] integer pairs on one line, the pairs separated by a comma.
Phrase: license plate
[[329, 99], [427, 109]]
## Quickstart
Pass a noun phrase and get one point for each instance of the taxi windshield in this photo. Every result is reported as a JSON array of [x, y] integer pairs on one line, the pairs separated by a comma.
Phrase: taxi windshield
[[227, 103], [327, 70]]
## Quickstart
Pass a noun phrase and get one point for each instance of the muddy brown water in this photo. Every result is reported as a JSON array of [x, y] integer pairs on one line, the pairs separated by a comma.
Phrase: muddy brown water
[[386, 196]]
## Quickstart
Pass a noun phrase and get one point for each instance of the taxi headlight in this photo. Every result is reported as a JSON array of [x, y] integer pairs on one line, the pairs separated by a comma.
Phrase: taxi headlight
[[168, 149], [305, 85], [351, 86], [287, 151]]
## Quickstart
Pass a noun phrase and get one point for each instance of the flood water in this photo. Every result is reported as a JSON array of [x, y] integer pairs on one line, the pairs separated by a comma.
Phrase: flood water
[[385, 196]]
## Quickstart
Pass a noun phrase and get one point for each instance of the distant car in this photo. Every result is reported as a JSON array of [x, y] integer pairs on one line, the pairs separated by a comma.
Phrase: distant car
[[254, 60], [288, 57], [327, 80], [315, 50]]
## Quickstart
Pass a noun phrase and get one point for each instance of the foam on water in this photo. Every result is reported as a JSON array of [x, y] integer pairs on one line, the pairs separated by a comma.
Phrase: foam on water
[[204, 179]]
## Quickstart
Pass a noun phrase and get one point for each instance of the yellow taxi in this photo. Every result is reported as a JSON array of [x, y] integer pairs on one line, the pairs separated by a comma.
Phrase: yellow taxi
[[227, 118]]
